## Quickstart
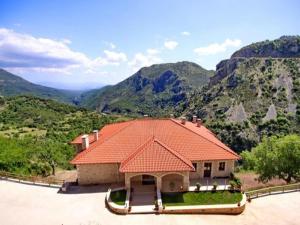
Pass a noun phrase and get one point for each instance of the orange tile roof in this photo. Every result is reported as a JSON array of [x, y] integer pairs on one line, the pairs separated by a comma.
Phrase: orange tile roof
[[154, 156], [119, 141]]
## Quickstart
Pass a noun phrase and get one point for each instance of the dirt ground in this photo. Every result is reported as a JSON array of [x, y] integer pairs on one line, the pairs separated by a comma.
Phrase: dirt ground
[[35, 205], [250, 181]]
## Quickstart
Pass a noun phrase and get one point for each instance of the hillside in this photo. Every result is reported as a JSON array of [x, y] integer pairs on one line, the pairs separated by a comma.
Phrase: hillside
[[254, 93], [35, 132], [12, 85], [154, 90]]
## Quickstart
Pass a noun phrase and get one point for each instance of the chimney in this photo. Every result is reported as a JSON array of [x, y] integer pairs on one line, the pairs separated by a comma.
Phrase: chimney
[[194, 119], [145, 115], [85, 141], [183, 120], [96, 135], [199, 122]]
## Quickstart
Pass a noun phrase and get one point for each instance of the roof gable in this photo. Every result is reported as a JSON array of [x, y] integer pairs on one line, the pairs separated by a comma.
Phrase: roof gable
[[154, 156]]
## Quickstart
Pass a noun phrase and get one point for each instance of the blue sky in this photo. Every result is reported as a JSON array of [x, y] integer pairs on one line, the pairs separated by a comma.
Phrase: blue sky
[[82, 44]]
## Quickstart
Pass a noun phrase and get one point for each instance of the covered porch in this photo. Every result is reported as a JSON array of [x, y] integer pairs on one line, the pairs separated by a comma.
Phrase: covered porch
[[163, 181]]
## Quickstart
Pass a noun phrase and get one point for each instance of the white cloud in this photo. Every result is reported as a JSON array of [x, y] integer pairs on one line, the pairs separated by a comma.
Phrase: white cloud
[[152, 51], [115, 57], [185, 33], [23, 52], [141, 60], [170, 44], [112, 45], [216, 48]]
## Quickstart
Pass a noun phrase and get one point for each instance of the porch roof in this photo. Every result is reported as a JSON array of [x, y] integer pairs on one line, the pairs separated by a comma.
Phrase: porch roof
[[155, 156]]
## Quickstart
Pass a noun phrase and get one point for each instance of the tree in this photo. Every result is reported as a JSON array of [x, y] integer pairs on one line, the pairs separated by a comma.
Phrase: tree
[[276, 157]]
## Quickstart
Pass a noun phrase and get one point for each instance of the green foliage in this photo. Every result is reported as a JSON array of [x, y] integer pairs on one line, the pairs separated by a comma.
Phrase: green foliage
[[118, 197], [36, 132], [275, 157], [201, 198]]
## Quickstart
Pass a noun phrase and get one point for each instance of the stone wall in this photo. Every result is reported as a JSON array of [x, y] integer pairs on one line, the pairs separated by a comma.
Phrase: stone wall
[[229, 167], [99, 173]]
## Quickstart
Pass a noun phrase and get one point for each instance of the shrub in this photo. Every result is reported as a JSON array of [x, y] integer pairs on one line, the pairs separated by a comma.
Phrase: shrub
[[198, 186]]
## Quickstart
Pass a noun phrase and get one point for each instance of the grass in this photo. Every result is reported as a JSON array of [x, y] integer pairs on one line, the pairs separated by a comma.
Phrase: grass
[[201, 198], [118, 197]]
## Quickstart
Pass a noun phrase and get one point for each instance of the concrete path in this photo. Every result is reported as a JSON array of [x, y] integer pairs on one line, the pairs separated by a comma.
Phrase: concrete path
[[33, 205]]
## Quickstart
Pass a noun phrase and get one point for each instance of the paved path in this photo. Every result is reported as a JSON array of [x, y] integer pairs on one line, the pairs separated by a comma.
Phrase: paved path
[[34, 205]]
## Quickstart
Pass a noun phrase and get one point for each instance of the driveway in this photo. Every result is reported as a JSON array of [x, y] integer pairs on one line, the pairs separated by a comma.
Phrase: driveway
[[35, 205]]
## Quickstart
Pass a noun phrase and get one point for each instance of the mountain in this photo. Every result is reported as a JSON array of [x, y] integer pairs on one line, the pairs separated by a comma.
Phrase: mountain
[[12, 85], [254, 93], [156, 90]]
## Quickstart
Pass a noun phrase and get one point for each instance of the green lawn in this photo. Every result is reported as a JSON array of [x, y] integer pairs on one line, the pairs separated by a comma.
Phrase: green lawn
[[201, 198], [118, 197]]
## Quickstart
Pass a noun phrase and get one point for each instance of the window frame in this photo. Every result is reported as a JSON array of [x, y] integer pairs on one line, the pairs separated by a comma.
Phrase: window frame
[[195, 165], [222, 168]]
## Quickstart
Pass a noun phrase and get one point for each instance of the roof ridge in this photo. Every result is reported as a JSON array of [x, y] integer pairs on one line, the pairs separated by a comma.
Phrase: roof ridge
[[231, 151], [133, 154], [177, 154]]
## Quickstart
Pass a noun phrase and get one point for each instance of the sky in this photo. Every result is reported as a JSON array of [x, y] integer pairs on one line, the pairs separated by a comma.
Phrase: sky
[[85, 44]]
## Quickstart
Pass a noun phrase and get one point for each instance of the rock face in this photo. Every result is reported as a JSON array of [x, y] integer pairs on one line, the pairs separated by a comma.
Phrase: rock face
[[259, 83], [284, 47], [271, 114], [237, 113], [224, 68]]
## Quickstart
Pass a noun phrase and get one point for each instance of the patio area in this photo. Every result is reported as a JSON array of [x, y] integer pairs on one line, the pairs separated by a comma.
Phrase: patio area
[[206, 184]]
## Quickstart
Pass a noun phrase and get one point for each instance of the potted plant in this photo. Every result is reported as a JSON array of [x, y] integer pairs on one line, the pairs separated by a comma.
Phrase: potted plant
[[215, 185], [198, 186], [155, 205]]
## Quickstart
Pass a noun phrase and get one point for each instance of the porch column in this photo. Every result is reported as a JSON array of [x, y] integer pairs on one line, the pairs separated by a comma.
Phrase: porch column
[[127, 181], [186, 181], [158, 183]]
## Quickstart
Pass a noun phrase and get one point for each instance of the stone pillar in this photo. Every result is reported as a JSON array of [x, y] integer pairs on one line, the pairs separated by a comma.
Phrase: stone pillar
[[186, 181], [127, 181], [158, 182]]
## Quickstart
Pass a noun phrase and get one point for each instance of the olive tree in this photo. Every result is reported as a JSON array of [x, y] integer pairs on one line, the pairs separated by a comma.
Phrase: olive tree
[[275, 157]]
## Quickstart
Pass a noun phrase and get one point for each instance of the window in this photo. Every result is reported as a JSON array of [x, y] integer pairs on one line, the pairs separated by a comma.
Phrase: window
[[221, 166], [195, 166]]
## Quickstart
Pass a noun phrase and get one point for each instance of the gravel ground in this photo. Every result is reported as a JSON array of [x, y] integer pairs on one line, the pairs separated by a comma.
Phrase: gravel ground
[[35, 205]]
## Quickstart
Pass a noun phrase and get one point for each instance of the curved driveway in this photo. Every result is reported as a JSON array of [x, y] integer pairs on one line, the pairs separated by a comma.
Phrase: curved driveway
[[35, 205]]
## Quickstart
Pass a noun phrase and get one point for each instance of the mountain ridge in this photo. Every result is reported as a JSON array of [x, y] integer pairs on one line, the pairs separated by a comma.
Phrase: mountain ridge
[[13, 85], [160, 86]]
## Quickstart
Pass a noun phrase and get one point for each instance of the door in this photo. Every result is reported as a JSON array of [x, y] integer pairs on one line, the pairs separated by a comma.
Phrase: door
[[207, 170], [148, 179]]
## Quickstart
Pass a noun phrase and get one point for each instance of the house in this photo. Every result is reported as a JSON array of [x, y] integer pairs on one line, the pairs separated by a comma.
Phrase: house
[[166, 152]]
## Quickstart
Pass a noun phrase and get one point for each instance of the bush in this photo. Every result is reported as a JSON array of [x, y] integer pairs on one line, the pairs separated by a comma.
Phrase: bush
[[198, 186]]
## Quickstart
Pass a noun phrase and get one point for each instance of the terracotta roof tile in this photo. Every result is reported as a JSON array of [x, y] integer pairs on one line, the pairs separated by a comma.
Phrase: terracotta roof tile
[[154, 156], [118, 141]]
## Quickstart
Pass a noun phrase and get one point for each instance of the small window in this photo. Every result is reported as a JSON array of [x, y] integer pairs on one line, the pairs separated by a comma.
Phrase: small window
[[221, 166], [195, 166]]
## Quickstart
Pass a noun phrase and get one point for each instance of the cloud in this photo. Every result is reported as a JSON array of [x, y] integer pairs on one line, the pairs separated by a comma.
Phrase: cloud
[[170, 44], [152, 51], [22, 50], [28, 53], [141, 60], [112, 45], [216, 48], [185, 33], [114, 57]]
